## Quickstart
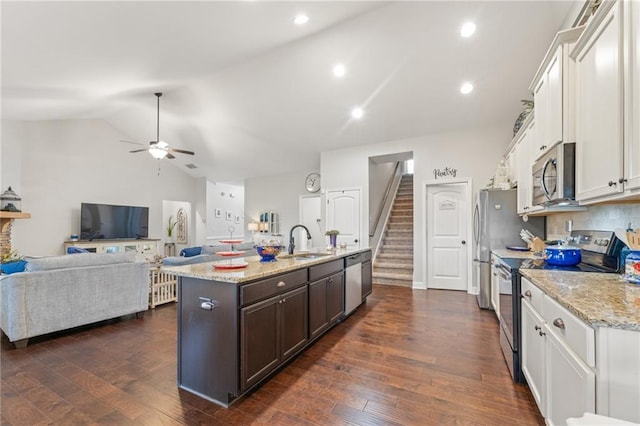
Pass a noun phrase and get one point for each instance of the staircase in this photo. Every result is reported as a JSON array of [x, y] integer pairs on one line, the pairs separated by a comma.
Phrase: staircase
[[394, 263]]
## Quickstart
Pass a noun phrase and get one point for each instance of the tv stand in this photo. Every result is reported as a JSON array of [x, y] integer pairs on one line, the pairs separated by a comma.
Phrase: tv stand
[[145, 249]]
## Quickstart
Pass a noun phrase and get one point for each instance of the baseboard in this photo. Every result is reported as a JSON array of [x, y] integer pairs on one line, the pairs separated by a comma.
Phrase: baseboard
[[419, 285]]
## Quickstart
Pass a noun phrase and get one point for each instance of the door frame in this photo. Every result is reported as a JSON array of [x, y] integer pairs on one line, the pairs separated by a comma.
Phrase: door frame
[[321, 223], [468, 218]]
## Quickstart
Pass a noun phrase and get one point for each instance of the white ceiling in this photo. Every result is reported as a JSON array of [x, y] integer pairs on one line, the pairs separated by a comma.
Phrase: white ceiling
[[251, 93]]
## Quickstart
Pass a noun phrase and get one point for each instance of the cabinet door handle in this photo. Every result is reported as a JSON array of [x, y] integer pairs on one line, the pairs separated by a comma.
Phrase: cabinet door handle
[[622, 180], [284, 300], [558, 323], [281, 284], [612, 183], [542, 333], [330, 280], [537, 327], [528, 293], [206, 304]]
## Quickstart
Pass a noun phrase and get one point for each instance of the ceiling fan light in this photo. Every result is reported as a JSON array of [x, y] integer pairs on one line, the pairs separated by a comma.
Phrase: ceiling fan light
[[157, 152]]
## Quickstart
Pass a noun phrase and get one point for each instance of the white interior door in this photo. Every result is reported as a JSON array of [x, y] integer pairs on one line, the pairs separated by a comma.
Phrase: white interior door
[[343, 214], [311, 217], [447, 236]]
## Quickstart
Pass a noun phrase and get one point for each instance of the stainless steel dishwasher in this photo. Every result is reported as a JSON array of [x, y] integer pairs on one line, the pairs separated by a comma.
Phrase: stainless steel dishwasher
[[353, 290]]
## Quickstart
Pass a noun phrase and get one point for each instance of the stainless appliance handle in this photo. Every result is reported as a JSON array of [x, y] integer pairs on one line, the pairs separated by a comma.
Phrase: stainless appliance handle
[[476, 224], [544, 172], [503, 272]]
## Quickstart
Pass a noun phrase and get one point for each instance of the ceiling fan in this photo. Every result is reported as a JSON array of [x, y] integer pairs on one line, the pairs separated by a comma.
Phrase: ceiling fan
[[160, 149]]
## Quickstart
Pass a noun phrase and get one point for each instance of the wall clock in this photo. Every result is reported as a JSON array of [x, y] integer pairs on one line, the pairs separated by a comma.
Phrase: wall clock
[[312, 182]]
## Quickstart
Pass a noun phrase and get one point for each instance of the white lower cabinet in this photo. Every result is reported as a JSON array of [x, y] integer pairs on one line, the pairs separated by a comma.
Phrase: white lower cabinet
[[533, 354], [556, 350], [571, 384]]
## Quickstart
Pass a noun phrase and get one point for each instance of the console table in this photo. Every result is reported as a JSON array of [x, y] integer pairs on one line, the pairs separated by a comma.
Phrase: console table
[[6, 220]]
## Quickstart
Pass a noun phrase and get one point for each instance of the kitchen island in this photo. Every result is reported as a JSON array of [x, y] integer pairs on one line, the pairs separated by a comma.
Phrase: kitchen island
[[236, 327]]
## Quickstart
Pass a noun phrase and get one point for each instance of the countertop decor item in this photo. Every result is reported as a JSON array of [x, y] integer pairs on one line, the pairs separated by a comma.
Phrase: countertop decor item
[[333, 237], [268, 253]]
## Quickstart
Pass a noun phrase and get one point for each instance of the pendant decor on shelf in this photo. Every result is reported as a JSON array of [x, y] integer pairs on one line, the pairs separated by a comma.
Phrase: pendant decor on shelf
[[528, 107]]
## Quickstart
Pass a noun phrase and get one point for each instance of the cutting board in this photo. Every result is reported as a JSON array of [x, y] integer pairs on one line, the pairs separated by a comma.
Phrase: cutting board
[[633, 239]]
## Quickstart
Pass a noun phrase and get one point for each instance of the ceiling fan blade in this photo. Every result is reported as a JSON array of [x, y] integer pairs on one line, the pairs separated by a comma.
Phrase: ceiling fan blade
[[139, 150], [135, 143], [182, 151], [170, 156]]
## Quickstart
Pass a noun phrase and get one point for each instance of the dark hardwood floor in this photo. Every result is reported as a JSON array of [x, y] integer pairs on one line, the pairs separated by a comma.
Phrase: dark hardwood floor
[[405, 358]]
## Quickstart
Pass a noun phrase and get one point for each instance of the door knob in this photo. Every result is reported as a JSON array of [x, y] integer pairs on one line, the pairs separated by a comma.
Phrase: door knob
[[464, 242]]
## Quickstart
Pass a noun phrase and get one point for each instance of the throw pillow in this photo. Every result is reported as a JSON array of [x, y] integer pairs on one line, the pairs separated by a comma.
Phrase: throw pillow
[[13, 267], [190, 251], [214, 249]]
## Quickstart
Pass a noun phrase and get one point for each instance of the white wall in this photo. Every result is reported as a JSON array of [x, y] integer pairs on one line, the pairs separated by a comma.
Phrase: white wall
[[280, 194], [226, 199], [56, 165], [474, 153], [379, 177]]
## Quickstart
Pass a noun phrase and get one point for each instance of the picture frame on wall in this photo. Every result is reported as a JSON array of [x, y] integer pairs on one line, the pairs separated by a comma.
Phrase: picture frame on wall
[[218, 212], [229, 215]]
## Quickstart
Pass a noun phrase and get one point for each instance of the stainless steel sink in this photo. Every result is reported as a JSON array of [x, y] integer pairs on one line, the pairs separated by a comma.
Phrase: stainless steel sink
[[303, 256]]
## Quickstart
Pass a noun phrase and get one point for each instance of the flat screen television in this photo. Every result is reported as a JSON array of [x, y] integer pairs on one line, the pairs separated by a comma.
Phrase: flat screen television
[[107, 222]]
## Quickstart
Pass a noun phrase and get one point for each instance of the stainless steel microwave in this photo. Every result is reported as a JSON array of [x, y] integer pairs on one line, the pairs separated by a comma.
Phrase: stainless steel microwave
[[554, 176]]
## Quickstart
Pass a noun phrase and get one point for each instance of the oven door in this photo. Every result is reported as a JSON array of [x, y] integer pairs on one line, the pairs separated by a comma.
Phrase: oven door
[[505, 284]]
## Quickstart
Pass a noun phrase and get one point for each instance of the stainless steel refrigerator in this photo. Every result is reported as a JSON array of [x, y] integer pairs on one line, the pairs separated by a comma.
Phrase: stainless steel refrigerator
[[496, 225]]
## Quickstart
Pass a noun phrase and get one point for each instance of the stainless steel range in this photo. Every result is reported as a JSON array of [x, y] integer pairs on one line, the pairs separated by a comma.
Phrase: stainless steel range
[[600, 253]]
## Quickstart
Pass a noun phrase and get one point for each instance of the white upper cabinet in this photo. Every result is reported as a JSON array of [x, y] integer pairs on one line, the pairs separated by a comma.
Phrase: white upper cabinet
[[607, 59], [599, 119], [523, 156], [631, 178], [553, 93]]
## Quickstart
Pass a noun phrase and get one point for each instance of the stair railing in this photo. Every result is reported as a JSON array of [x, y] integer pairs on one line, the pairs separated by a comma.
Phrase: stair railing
[[376, 231]]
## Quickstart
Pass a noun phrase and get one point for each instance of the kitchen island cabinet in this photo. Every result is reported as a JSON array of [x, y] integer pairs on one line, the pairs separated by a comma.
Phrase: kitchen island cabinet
[[271, 332], [237, 328]]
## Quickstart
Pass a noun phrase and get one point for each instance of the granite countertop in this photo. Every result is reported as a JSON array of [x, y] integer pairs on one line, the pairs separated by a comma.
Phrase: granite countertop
[[599, 299], [512, 254], [255, 269]]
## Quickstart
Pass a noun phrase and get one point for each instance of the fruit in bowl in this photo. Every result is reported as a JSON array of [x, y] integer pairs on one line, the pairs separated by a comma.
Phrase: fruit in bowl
[[268, 253]]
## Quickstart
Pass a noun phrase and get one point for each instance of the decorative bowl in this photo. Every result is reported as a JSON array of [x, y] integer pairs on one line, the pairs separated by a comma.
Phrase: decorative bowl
[[268, 253]]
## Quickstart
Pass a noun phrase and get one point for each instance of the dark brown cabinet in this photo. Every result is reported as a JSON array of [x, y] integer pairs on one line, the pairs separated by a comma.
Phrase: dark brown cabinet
[[271, 331], [326, 303], [367, 280]]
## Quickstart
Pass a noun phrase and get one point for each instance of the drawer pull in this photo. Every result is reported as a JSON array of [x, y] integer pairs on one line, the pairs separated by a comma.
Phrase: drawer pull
[[281, 284], [528, 293], [558, 323]]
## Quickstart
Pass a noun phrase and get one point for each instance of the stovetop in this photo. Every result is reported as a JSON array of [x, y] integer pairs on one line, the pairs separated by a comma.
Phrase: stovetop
[[600, 252]]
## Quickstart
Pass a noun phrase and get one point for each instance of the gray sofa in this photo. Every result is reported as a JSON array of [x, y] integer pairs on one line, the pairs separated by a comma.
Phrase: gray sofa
[[62, 292], [209, 254]]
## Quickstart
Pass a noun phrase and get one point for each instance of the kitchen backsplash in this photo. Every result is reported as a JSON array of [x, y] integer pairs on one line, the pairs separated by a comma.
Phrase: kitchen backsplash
[[603, 218]]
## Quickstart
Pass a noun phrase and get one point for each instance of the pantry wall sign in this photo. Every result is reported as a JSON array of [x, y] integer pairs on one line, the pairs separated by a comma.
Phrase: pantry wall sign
[[444, 172]]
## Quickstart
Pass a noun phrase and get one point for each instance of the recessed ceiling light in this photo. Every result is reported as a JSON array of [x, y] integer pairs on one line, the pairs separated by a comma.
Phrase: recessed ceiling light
[[357, 113], [466, 88], [301, 19], [468, 29], [339, 70]]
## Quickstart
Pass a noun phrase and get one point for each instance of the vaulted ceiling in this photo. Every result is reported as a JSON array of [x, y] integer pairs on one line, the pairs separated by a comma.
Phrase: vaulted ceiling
[[253, 94]]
